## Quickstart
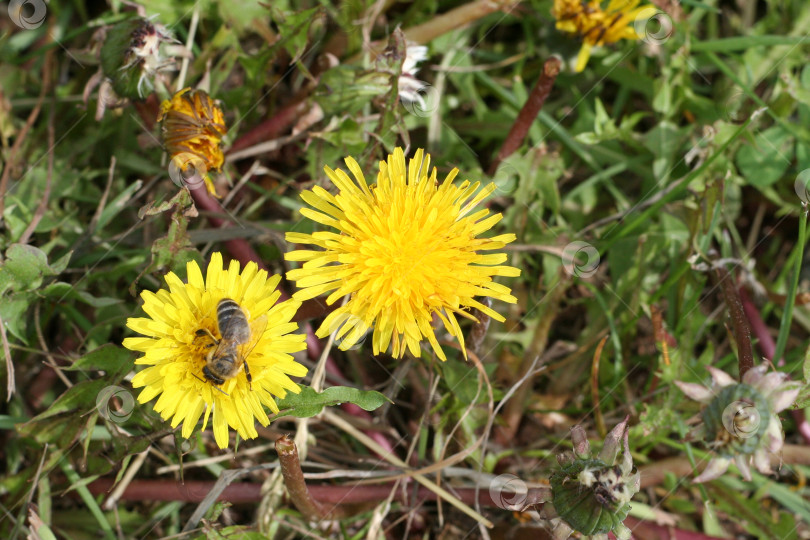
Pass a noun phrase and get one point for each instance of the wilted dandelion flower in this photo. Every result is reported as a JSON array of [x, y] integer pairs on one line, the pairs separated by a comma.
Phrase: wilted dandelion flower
[[741, 420], [406, 249], [193, 127], [597, 26], [181, 330], [591, 494], [409, 86]]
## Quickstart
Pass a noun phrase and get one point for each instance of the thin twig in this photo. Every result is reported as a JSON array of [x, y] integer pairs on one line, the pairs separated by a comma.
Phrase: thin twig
[[102, 203], [515, 408], [51, 361], [39, 213], [35, 480], [11, 162], [597, 355], [214, 493], [659, 333], [11, 386], [394, 460], [192, 31], [132, 470]]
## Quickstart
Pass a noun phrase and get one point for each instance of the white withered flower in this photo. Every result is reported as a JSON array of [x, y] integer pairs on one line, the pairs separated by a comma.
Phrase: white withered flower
[[741, 420]]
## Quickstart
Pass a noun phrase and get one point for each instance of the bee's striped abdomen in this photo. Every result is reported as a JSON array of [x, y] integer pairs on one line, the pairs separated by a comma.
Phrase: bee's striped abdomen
[[233, 324]]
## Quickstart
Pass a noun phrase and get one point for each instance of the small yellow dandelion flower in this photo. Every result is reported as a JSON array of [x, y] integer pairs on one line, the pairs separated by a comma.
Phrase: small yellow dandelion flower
[[597, 26], [407, 248], [193, 127], [182, 332]]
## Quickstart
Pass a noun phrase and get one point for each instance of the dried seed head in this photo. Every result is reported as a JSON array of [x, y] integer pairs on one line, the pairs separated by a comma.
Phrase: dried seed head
[[740, 420]]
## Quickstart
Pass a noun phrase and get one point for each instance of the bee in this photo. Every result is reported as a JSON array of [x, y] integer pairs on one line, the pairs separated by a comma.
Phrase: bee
[[227, 356]]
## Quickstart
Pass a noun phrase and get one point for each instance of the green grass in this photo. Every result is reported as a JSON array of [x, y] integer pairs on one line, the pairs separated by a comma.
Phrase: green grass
[[664, 158]]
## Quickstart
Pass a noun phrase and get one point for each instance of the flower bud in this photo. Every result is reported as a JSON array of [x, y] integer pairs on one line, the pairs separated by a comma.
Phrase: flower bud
[[591, 495], [130, 56]]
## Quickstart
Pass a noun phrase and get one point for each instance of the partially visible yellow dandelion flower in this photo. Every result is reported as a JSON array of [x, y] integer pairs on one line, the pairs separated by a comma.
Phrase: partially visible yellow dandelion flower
[[407, 248], [597, 26], [175, 354], [193, 127]]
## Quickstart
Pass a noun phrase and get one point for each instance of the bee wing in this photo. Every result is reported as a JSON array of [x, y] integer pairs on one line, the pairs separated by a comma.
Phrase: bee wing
[[257, 328]]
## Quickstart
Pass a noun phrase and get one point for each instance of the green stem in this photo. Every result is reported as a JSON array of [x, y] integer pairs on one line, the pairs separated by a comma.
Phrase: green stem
[[87, 498], [787, 314]]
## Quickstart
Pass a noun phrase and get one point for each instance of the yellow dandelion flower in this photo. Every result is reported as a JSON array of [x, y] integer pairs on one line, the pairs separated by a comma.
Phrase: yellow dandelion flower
[[597, 26], [182, 331], [193, 127], [406, 249]]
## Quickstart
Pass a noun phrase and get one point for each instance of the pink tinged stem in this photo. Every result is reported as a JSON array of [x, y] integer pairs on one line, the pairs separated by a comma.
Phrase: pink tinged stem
[[768, 347]]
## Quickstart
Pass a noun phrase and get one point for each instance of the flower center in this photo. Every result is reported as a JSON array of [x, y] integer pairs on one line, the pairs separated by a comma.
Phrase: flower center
[[736, 419]]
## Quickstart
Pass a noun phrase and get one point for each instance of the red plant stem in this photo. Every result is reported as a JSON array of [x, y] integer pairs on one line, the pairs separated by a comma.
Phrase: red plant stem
[[241, 250], [768, 347], [270, 128], [652, 531], [528, 113], [739, 322], [249, 493]]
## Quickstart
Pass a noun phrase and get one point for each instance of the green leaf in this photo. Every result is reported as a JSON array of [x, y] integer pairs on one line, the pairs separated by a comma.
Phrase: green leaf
[[12, 311], [294, 28], [309, 402], [61, 290], [109, 358], [24, 268], [764, 163]]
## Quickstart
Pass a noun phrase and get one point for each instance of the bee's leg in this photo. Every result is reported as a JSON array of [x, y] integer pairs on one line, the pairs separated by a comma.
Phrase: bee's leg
[[249, 377], [217, 388], [203, 332], [212, 385]]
